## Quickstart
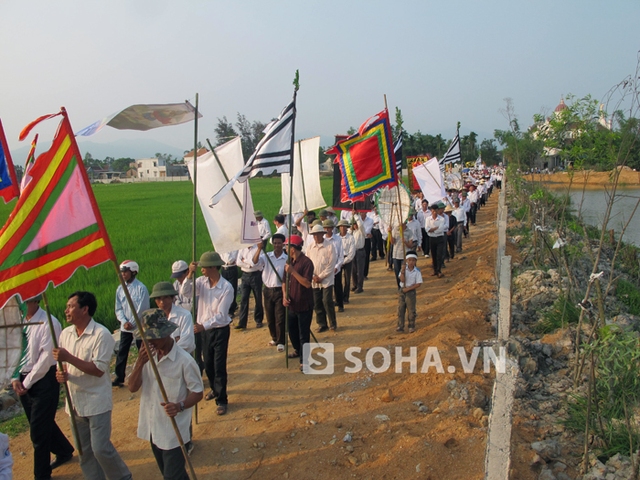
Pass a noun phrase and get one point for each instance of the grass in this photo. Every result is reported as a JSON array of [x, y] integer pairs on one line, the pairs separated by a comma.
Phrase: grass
[[15, 426], [150, 223], [629, 294]]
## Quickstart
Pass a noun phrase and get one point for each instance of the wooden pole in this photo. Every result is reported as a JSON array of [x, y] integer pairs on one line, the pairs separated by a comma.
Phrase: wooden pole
[[194, 302], [72, 414], [404, 249], [154, 367]]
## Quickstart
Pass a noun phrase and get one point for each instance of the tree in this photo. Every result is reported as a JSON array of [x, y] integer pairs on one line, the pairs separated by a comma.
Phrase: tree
[[399, 126], [251, 133], [468, 147], [489, 152], [122, 164], [521, 148], [224, 131]]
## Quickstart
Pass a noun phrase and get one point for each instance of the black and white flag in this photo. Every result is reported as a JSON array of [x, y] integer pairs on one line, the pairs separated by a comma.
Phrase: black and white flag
[[272, 155], [453, 154], [397, 151]]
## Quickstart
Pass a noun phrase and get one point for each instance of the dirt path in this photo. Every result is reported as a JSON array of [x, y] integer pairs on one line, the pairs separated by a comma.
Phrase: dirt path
[[283, 424]]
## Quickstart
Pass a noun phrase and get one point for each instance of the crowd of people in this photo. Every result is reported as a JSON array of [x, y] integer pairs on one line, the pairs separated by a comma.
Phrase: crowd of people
[[315, 264]]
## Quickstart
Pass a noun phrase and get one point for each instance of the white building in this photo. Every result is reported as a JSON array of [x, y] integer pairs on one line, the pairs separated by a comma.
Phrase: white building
[[151, 168]]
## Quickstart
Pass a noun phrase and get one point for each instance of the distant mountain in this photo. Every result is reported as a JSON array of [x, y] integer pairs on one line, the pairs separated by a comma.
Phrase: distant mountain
[[126, 148]]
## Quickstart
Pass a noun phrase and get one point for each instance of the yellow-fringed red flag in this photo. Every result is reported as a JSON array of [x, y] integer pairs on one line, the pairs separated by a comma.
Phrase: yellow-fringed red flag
[[56, 226]]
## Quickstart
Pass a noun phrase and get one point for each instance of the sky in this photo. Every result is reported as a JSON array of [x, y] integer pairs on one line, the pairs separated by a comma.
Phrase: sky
[[440, 62]]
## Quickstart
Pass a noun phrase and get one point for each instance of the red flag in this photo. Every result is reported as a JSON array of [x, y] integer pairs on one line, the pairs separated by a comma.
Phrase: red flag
[[8, 182]]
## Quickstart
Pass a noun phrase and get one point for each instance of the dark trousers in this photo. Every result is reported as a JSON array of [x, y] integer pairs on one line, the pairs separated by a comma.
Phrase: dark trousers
[[230, 274], [324, 306], [216, 346], [357, 271], [367, 258], [126, 338], [474, 209], [438, 246], [251, 282], [197, 353], [346, 288], [40, 404], [377, 244], [459, 235], [338, 289], [406, 304], [170, 462], [425, 242], [274, 311], [451, 244], [397, 266], [390, 256], [300, 329]]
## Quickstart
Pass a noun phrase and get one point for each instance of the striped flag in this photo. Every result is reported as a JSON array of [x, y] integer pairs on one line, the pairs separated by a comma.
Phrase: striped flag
[[397, 151], [56, 226], [453, 154], [8, 182], [272, 155], [31, 159]]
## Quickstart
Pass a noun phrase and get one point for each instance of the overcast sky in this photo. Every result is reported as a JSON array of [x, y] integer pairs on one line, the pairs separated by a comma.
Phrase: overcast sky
[[438, 61]]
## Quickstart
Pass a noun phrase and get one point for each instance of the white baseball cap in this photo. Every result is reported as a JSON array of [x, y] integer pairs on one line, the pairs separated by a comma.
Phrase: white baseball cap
[[178, 268], [129, 265]]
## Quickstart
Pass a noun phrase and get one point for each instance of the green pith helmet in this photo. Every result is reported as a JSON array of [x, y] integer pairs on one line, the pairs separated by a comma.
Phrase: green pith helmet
[[328, 223], [210, 259], [163, 289], [156, 325]]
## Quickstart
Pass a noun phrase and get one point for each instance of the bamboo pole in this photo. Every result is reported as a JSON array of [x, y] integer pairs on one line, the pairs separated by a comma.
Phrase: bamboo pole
[[401, 227], [65, 386], [194, 303], [154, 367]]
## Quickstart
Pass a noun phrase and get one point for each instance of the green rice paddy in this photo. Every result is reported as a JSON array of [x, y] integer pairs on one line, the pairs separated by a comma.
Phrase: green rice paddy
[[150, 223]]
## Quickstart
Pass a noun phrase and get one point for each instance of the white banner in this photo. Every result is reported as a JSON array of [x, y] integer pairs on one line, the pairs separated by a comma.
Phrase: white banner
[[429, 178], [306, 178], [230, 226]]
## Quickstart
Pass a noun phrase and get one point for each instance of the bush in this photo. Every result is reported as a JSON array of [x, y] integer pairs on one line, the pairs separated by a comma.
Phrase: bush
[[562, 313], [629, 294]]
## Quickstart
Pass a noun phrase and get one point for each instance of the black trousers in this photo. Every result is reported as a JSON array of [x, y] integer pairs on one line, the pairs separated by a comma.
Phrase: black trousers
[[216, 346], [197, 354], [230, 274], [126, 338], [425, 242], [367, 258], [251, 282], [451, 244], [338, 289], [474, 209], [438, 247], [274, 311], [377, 244], [170, 462], [346, 288], [40, 404], [300, 329], [357, 271]]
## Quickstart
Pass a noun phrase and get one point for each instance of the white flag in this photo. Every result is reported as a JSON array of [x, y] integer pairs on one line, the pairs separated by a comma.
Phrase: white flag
[[307, 193], [228, 223], [429, 178]]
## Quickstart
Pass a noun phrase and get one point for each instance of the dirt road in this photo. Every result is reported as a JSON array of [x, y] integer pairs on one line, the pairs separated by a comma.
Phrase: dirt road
[[284, 424]]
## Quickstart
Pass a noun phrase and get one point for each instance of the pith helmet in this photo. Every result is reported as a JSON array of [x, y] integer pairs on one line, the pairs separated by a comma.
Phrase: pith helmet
[[328, 223], [210, 259], [163, 289]]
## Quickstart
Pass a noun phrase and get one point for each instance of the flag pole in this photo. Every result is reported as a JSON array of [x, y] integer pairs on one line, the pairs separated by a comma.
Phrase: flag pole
[[154, 366], [54, 340], [304, 189], [296, 85], [194, 302], [399, 180]]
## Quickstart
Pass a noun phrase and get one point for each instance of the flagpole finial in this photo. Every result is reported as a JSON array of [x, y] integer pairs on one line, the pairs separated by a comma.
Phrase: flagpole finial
[[458, 126], [296, 80]]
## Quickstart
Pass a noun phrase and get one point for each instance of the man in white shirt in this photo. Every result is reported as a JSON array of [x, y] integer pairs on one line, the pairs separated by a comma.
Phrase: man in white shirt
[[410, 280], [264, 229], [377, 244], [401, 244], [183, 386], [214, 295], [140, 296], [349, 252], [164, 294], [359, 261], [336, 243], [461, 217], [436, 229], [272, 276], [183, 286], [281, 228], [251, 283], [323, 256], [421, 216], [35, 383], [86, 348]]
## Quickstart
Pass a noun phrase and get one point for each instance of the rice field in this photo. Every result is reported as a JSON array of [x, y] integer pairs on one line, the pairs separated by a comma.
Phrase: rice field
[[150, 223]]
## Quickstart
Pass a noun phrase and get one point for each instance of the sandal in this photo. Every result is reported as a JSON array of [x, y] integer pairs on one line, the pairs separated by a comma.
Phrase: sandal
[[293, 354], [221, 410], [272, 343], [280, 347], [210, 396]]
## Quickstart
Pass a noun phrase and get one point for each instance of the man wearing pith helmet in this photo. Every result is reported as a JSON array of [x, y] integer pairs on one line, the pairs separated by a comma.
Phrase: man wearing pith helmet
[[214, 295], [164, 295], [140, 296], [182, 284], [183, 385]]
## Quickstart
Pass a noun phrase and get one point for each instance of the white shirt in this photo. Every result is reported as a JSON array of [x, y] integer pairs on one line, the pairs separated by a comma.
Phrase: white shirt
[[323, 257], [245, 260], [421, 216], [368, 225], [264, 229], [398, 249], [229, 258], [337, 247], [38, 357], [213, 302], [269, 277], [183, 318], [460, 214], [90, 395], [440, 223], [184, 298], [411, 277], [139, 295], [283, 230], [358, 234], [416, 230], [180, 376], [348, 247]]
